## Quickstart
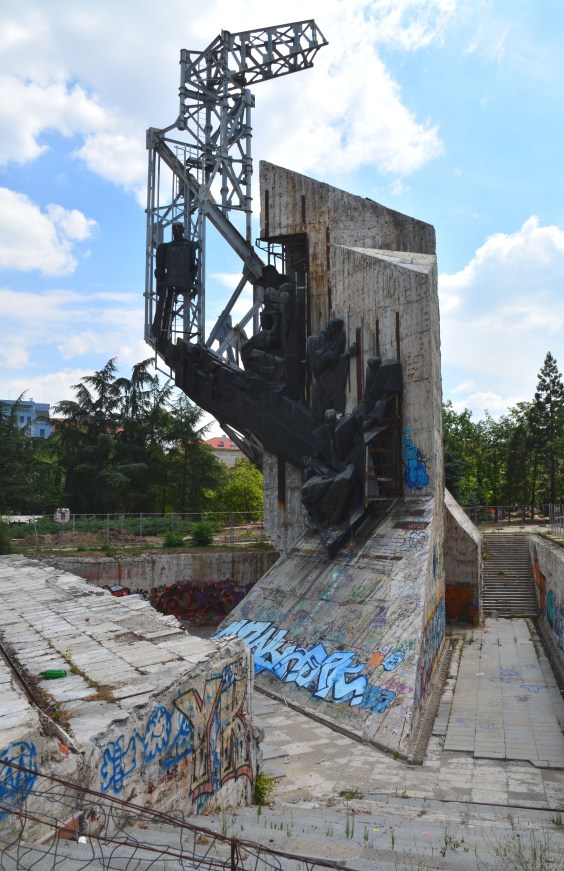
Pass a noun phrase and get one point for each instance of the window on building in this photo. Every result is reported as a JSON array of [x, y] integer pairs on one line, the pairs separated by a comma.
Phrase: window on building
[[42, 433]]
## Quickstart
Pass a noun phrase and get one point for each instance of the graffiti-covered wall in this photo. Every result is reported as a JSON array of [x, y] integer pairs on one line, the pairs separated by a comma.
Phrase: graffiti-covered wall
[[150, 713], [190, 744], [548, 568], [352, 639]]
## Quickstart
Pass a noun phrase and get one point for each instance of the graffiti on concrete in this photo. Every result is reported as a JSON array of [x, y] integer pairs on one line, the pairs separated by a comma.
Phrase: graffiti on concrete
[[415, 470], [210, 728], [431, 642], [334, 677], [199, 601], [16, 784], [549, 605]]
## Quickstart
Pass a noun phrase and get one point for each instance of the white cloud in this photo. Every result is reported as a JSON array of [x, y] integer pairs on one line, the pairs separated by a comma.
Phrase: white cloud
[[117, 158], [351, 110], [28, 108], [501, 313], [33, 240]]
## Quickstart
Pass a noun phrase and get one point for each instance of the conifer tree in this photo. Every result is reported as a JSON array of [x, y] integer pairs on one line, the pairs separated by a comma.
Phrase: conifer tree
[[546, 422]]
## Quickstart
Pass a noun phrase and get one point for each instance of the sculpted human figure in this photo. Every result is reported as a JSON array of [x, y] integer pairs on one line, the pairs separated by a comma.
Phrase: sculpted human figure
[[265, 351], [329, 365], [176, 268]]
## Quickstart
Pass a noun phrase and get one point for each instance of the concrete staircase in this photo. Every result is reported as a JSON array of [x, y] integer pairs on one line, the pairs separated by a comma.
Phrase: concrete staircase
[[509, 588]]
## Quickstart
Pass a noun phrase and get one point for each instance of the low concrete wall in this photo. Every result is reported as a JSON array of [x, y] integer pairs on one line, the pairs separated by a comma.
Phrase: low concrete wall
[[162, 569], [463, 565], [146, 712], [548, 568]]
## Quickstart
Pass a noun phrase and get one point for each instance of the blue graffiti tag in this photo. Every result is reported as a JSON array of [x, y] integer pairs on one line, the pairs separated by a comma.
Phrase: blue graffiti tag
[[157, 733], [16, 785], [333, 677], [118, 763], [415, 470]]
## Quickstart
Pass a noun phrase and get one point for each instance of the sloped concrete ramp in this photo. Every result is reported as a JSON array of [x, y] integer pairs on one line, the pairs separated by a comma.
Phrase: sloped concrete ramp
[[352, 641]]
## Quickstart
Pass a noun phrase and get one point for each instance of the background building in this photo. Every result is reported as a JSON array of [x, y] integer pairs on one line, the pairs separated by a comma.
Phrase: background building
[[32, 415]]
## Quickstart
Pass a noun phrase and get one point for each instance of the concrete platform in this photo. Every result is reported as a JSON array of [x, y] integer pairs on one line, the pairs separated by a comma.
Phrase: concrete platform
[[506, 704]]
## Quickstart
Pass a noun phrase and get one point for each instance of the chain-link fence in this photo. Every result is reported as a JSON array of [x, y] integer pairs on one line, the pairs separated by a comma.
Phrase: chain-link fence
[[506, 515], [105, 531], [64, 825], [557, 518]]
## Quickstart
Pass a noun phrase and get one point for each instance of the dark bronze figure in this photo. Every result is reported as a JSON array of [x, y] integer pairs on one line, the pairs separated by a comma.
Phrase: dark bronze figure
[[176, 268]]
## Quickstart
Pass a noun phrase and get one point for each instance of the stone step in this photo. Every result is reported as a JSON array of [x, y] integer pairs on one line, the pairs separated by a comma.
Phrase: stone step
[[508, 577]]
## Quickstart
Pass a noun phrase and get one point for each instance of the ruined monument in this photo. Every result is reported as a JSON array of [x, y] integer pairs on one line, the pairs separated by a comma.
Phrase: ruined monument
[[336, 388]]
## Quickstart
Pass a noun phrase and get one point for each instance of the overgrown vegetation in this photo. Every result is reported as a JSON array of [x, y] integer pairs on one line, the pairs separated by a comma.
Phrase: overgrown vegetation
[[264, 784], [202, 533], [516, 460]]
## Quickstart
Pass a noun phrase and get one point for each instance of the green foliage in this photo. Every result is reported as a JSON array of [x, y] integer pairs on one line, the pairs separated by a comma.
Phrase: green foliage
[[202, 533], [264, 784], [517, 460], [5, 543], [173, 539], [242, 492]]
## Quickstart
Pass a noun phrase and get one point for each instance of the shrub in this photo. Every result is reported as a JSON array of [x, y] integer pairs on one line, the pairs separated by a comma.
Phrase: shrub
[[202, 533], [173, 539]]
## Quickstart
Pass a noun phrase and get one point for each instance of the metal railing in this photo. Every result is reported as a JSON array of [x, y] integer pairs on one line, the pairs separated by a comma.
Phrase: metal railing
[[506, 515], [557, 518]]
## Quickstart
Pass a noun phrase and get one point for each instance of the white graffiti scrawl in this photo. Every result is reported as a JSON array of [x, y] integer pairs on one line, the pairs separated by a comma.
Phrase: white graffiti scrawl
[[333, 677]]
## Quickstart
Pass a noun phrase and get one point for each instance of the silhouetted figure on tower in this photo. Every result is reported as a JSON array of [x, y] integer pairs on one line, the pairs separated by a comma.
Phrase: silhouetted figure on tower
[[176, 268]]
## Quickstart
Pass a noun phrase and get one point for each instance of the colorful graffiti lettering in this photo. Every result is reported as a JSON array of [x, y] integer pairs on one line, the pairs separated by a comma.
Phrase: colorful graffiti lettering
[[333, 677], [199, 601], [415, 470], [211, 728], [549, 605], [15, 784], [431, 642]]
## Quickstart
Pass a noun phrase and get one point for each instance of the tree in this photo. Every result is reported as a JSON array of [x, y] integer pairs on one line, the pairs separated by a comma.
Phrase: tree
[[546, 424], [193, 470], [243, 491], [29, 476]]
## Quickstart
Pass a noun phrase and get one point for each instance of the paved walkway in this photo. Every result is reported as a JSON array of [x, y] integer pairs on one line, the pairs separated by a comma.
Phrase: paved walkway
[[483, 761], [506, 703]]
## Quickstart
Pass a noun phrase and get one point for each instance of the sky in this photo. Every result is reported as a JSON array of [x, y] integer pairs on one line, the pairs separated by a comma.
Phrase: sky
[[447, 110]]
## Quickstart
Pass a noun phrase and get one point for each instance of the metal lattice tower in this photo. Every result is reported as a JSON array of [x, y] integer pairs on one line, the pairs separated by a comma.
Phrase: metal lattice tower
[[203, 172]]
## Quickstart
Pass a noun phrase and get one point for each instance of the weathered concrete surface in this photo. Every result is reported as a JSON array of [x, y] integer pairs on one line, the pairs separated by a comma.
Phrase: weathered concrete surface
[[548, 568], [353, 640], [284, 519], [463, 565], [376, 269], [162, 569], [150, 711], [507, 704]]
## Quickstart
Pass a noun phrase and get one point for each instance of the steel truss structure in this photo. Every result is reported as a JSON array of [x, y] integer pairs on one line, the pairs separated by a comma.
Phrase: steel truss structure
[[203, 171]]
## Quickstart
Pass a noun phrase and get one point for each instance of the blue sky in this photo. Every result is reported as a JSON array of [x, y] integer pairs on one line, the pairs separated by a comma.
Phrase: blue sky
[[447, 110]]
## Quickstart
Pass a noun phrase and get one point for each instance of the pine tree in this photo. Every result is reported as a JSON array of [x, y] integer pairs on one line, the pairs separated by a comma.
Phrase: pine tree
[[546, 422]]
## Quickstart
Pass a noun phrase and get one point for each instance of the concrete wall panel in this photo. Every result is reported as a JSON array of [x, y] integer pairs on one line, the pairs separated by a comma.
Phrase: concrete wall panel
[[548, 568], [149, 712], [162, 569]]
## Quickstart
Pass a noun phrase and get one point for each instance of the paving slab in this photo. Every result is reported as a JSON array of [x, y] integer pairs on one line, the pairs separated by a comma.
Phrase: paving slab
[[506, 702]]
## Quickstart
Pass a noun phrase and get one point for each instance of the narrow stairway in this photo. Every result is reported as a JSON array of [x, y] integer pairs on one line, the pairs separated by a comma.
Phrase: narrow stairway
[[509, 588]]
